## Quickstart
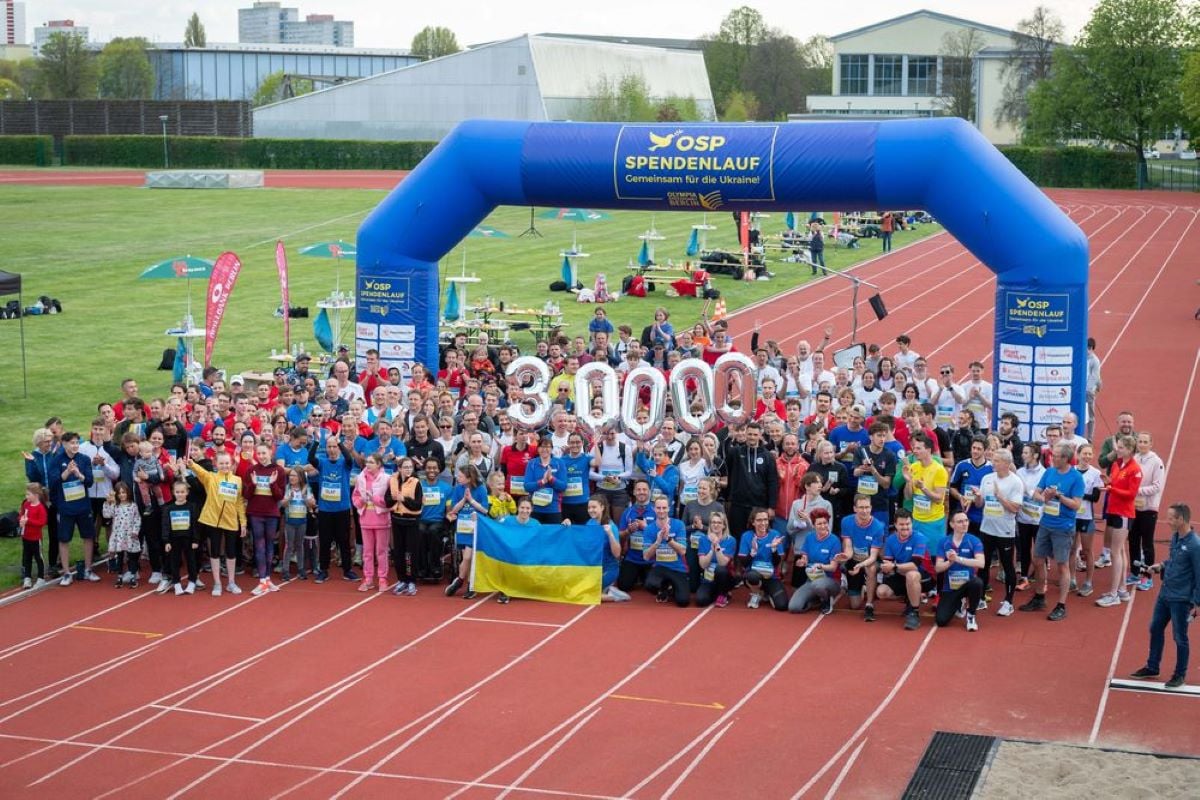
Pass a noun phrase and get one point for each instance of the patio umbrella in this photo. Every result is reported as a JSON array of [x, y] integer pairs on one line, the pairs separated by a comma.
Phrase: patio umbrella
[[575, 214], [180, 267], [337, 250]]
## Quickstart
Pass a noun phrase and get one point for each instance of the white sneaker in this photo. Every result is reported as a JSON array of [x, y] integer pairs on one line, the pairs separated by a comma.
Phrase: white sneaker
[[1124, 596], [962, 610], [66, 579], [617, 595], [754, 600], [27, 583], [39, 583], [982, 605], [191, 589], [163, 587], [216, 592], [1005, 610], [198, 584], [261, 588], [233, 588], [972, 625], [1103, 561], [179, 590], [271, 587], [1107, 600], [155, 577]]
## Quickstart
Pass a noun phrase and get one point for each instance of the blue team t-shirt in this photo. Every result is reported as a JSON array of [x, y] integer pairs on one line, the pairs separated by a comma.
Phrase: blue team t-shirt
[[761, 561], [728, 546], [664, 554], [958, 574], [820, 551], [968, 477], [863, 539], [906, 551], [1055, 515]]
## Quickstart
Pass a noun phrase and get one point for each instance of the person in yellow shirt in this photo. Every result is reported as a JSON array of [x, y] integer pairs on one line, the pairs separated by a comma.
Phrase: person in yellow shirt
[[925, 482], [500, 502], [223, 517]]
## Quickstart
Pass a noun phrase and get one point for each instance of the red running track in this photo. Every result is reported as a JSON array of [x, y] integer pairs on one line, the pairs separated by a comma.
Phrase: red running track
[[329, 693]]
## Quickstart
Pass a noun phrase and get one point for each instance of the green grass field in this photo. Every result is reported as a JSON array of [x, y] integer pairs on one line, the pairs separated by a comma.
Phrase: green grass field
[[86, 247]]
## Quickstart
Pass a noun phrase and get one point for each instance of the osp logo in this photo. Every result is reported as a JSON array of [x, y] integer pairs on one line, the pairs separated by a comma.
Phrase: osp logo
[[1025, 302], [683, 143]]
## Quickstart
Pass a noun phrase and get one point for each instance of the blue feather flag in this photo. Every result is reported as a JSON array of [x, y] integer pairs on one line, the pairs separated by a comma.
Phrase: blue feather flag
[[644, 254], [323, 331], [693, 246], [180, 366], [790, 221], [566, 272], [450, 312]]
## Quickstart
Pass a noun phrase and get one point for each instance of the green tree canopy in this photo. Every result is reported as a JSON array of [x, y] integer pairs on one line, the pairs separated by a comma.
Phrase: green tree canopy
[[434, 42], [193, 34], [1121, 82], [727, 51], [280, 86], [125, 71], [66, 69]]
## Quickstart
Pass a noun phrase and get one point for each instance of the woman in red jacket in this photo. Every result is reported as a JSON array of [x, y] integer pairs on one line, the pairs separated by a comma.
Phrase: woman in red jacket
[[1123, 480], [263, 486]]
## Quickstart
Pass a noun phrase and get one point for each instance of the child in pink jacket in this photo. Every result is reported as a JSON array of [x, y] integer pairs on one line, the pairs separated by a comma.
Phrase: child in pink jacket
[[375, 522]]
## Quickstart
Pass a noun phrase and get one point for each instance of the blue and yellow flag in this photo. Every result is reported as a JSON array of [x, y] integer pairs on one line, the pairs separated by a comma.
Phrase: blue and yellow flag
[[555, 563]]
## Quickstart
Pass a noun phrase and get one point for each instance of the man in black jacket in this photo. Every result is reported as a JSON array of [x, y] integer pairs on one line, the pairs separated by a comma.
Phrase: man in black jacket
[[753, 479]]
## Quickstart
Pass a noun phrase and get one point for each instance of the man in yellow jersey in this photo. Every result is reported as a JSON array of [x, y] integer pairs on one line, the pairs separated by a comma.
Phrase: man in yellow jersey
[[925, 482], [223, 517]]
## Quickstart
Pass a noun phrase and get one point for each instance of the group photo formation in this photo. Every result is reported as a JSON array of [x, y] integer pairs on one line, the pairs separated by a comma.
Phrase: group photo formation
[[405, 403]]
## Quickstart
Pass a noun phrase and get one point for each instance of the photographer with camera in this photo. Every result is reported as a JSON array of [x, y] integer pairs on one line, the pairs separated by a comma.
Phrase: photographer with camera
[[1178, 597]]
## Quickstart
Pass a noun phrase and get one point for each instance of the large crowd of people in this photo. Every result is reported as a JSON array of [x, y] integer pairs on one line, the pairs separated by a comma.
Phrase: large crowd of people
[[892, 480]]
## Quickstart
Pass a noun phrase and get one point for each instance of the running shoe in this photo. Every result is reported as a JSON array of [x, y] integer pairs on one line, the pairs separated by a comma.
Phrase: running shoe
[[1108, 600], [28, 583], [972, 625], [191, 589], [261, 589], [1144, 672], [983, 604], [216, 592], [163, 587], [1022, 583], [1086, 589], [400, 587], [869, 613], [1145, 584], [383, 586], [470, 594], [199, 584], [155, 577], [233, 588], [1124, 596], [454, 586], [1080, 566], [722, 601], [40, 582], [503, 599], [911, 620], [1059, 612], [1131, 580], [411, 590], [1074, 586], [322, 576], [962, 610], [91, 576], [1175, 682], [350, 575], [1036, 604], [364, 586], [827, 607], [1103, 562], [179, 590], [754, 600], [1005, 610]]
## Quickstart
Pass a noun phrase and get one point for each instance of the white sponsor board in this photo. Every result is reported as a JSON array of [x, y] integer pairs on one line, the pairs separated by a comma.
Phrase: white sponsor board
[[1016, 353], [1014, 373], [1014, 393], [1052, 375], [1022, 412], [366, 330], [396, 351], [1049, 414], [1060, 395], [398, 333], [1055, 355]]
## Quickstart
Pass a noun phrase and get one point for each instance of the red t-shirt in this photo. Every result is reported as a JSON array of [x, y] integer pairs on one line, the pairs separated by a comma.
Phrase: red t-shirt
[[513, 463], [35, 521], [776, 407]]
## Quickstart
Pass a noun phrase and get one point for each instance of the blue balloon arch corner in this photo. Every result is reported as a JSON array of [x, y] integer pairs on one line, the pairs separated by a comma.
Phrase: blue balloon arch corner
[[1039, 256]]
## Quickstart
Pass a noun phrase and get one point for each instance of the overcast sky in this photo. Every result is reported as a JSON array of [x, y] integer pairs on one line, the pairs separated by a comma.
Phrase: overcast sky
[[391, 24]]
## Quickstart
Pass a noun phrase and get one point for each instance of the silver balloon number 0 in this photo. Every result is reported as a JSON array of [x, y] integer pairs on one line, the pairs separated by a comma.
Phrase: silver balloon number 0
[[609, 414], [656, 384]]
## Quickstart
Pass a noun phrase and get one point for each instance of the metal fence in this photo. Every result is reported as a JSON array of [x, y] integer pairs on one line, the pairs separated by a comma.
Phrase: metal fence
[[1174, 174], [59, 118]]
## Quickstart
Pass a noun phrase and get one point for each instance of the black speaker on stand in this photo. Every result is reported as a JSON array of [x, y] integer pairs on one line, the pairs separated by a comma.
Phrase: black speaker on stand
[[876, 301]]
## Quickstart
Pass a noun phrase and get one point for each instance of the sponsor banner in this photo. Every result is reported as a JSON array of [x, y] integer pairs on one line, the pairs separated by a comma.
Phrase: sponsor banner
[[1055, 355], [1035, 313], [281, 266], [1022, 412], [704, 167], [1052, 395], [366, 330], [398, 333], [1049, 414], [1037, 433], [361, 346], [1016, 353], [1014, 392], [220, 286], [1053, 375], [397, 351], [1013, 373]]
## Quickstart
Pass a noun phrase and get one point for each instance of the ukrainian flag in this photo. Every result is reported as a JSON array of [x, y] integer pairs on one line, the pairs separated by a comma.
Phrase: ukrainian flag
[[555, 563]]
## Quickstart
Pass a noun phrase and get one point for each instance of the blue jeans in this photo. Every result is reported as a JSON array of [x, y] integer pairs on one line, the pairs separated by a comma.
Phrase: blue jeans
[[263, 530], [1175, 612]]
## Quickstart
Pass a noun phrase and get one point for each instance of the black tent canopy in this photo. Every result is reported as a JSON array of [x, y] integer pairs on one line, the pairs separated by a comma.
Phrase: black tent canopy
[[10, 283]]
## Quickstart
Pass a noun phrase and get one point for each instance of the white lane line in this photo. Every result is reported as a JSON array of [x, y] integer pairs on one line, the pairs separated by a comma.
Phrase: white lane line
[[841, 776], [255, 762], [560, 726], [1112, 666], [566, 737], [16, 647], [511, 622], [472, 689], [218, 714], [695, 762], [726, 715], [304, 703], [870, 719]]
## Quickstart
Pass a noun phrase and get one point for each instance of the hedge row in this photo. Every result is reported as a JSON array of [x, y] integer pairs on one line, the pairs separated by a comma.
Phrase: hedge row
[[211, 152], [34, 151], [1075, 167]]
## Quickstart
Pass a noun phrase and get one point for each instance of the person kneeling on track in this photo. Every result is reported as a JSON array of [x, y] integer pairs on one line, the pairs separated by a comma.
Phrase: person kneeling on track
[[864, 536], [905, 568], [760, 554], [634, 519], [665, 544], [716, 554], [959, 559], [820, 556]]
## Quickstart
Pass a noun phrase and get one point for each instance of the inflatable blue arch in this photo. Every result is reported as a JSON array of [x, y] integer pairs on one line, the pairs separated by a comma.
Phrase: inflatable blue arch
[[943, 166]]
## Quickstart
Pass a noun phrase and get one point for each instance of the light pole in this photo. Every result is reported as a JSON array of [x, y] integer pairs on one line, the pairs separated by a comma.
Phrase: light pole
[[166, 157]]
